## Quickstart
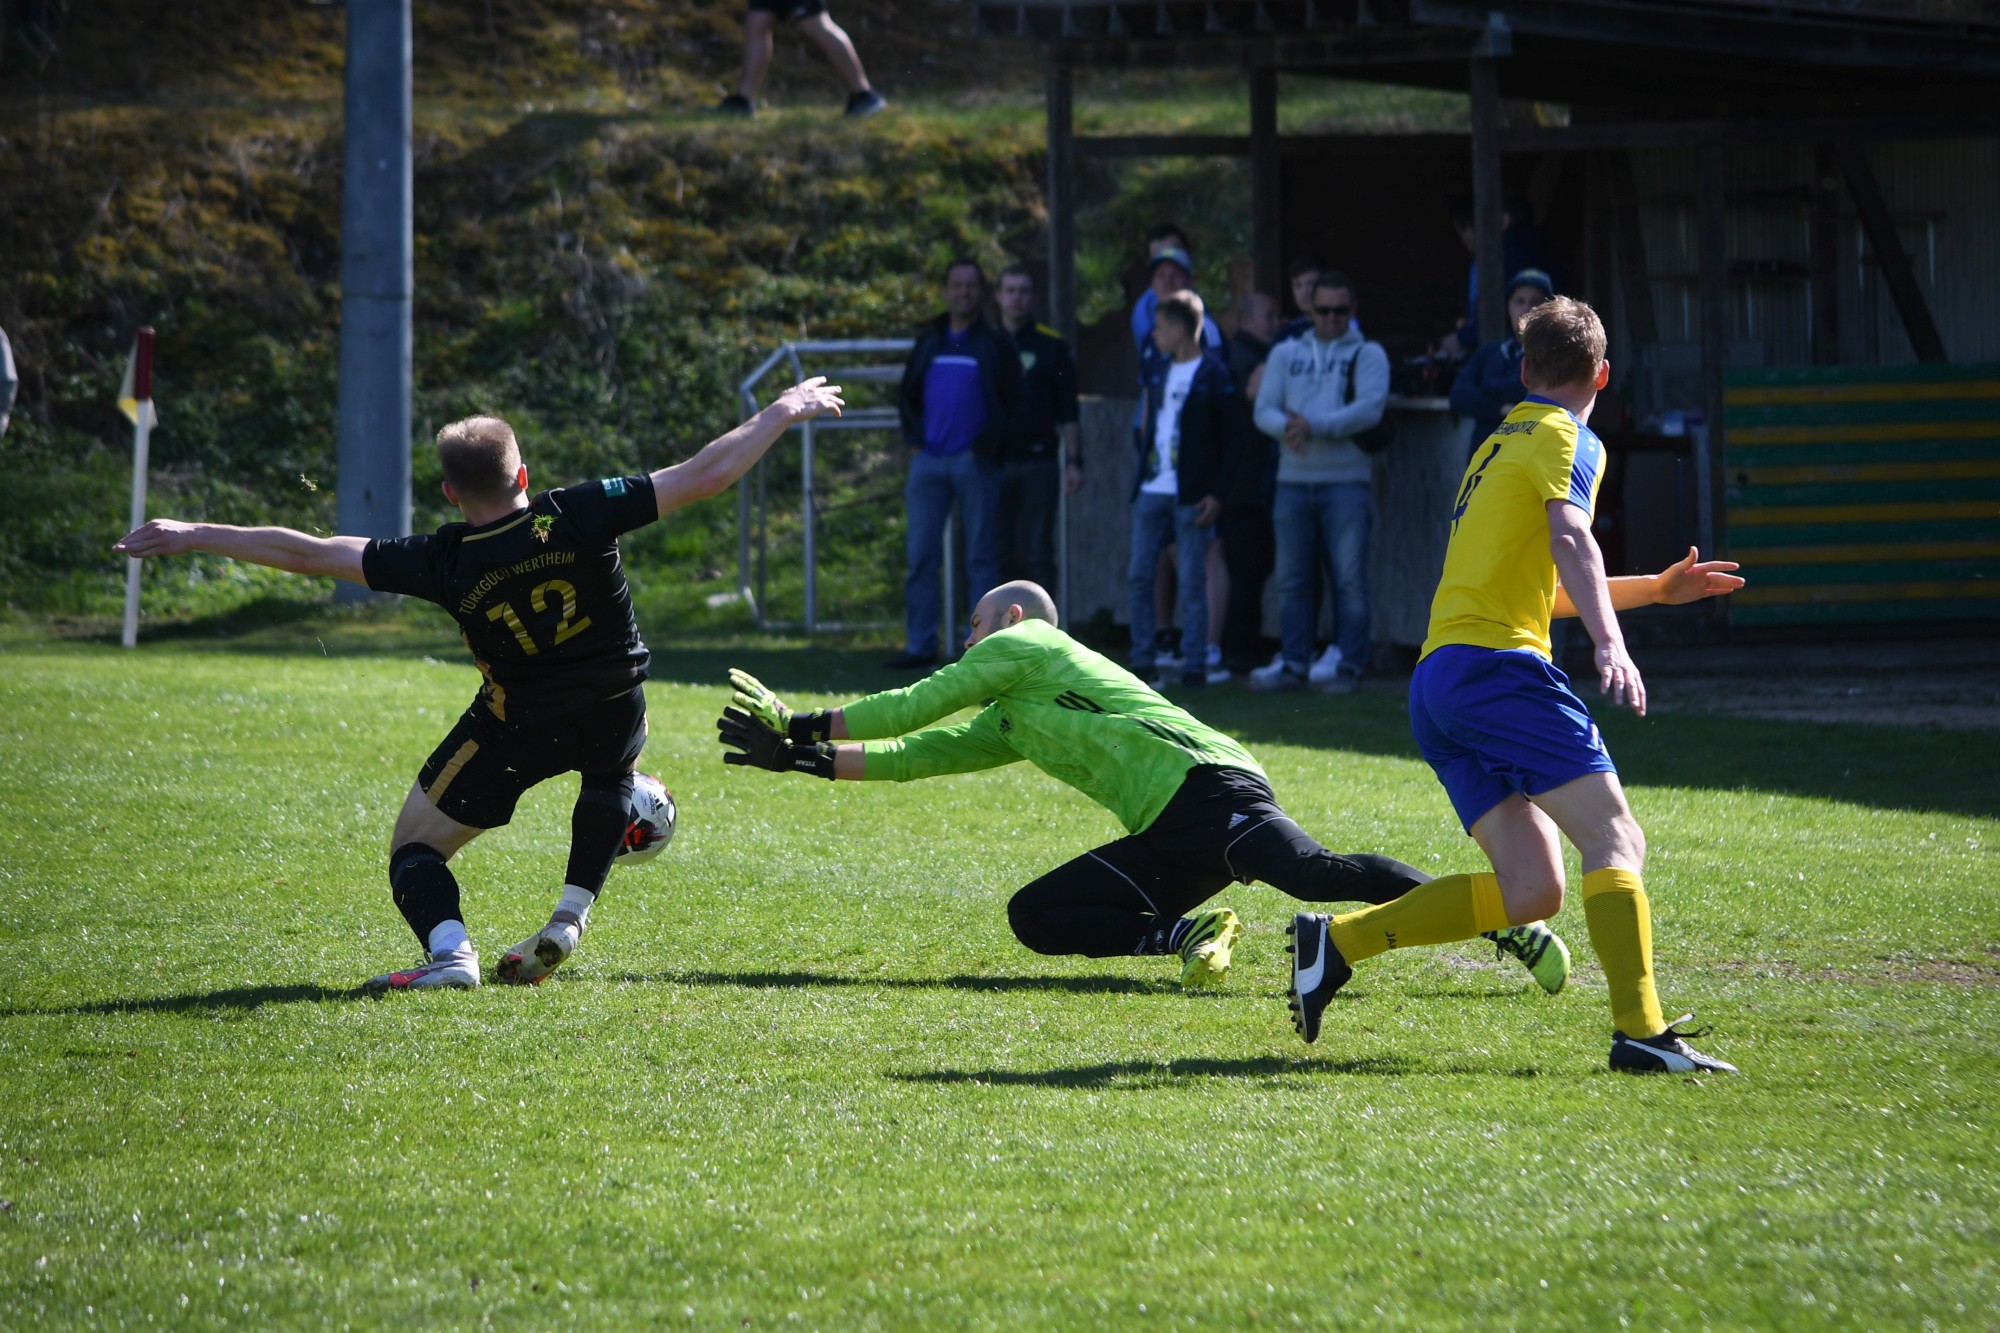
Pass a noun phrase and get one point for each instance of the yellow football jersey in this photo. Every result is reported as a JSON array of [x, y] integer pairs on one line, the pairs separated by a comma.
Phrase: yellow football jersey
[[1499, 584]]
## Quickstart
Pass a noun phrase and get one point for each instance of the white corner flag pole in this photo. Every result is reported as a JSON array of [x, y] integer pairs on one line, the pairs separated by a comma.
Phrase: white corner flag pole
[[135, 399]]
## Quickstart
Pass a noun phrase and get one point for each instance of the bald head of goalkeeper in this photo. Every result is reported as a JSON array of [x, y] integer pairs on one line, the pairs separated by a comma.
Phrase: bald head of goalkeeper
[[1008, 605]]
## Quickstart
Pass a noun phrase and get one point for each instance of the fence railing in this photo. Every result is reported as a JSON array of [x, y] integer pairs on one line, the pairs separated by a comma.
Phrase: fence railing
[[795, 356], [802, 358]]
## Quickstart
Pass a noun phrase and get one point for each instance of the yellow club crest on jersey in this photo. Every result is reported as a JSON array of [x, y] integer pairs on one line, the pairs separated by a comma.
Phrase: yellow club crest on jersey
[[543, 524], [1027, 361]]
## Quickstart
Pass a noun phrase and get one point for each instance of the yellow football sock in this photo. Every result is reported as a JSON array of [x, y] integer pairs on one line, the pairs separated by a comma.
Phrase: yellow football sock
[[1456, 907], [1621, 930]]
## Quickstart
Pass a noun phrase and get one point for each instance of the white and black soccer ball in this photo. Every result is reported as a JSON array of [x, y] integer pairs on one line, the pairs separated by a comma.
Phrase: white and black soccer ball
[[651, 825]]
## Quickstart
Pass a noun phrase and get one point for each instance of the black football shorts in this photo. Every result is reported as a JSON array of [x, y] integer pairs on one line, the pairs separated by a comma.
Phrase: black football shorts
[[478, 773]]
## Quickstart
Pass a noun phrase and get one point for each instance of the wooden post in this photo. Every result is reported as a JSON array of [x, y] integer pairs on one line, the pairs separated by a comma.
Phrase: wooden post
[[1267, 235], [1062, 201], [1633, 280], [1062, 277], [1824, 257], [1712, 247], [1890, 259], [1491, 306]]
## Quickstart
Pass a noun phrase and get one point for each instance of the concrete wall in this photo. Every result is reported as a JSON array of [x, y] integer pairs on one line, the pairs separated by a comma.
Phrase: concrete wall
[[1415, 482]]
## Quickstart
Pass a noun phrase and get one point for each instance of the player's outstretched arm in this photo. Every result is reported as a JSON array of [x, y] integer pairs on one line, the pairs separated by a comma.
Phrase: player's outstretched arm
[[1580, 566], [727, 457], [279, 548], [1688, 579]]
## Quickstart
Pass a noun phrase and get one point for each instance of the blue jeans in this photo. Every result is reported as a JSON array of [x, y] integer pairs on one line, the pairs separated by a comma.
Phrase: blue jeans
[[1327, 519], [1159, 521], [934, 484]]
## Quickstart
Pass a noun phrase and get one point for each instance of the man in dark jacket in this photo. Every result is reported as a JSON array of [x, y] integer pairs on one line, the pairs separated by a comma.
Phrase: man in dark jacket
[[1044, 453], [1189, 438], [1489, 383], [960, 390]]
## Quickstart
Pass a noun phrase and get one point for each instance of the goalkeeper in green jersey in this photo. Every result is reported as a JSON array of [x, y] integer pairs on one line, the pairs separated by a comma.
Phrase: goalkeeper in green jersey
[[1198, 810]]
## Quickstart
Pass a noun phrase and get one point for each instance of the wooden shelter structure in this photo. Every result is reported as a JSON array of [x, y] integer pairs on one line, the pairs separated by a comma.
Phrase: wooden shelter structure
[[1751, 138]]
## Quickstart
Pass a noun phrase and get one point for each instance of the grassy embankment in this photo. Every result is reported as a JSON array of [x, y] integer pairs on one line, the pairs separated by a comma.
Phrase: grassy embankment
[[595, 261]]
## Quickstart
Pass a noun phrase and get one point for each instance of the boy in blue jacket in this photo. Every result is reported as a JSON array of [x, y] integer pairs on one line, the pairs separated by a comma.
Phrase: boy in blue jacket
[[1190, 434]]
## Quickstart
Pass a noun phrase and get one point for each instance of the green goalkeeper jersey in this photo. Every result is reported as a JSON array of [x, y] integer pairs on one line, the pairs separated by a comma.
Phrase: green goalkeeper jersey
[[1075, 714]]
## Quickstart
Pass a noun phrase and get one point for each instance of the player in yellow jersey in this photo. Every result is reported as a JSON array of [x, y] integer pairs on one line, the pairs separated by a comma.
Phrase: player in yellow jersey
[[1513, 745]]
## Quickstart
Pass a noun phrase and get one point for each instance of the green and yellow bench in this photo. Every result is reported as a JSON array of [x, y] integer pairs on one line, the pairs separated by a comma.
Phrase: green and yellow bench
[[1864, 493]]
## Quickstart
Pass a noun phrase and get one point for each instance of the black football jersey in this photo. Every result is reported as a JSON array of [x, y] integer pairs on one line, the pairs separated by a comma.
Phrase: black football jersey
[[539, 595]]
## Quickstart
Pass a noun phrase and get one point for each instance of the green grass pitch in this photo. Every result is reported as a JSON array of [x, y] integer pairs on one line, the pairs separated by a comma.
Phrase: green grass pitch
[[800, 1073]]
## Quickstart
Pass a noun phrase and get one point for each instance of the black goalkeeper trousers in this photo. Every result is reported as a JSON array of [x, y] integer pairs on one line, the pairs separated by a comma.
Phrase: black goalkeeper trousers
[[1223, 825]]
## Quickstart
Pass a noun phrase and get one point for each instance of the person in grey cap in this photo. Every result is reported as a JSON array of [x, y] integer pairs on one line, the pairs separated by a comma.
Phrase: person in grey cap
[[9, 382], [1489, 383]]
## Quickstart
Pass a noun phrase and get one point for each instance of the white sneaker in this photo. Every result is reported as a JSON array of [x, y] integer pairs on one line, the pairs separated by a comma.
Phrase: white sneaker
[[1172, 663], [1264, 677], [457, 969], [540, 954], [1328, 666], [1218, 674]]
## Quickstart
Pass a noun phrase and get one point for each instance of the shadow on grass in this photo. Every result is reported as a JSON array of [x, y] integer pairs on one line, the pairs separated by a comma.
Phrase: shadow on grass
[[1113, 1073], [800, 980], [238, 999]]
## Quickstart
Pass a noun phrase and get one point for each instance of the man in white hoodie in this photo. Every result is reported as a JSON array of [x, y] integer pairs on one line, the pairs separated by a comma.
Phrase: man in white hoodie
[[1319, 389]]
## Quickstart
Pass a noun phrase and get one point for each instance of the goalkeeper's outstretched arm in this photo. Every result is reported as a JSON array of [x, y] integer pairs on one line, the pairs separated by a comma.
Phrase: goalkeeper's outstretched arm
[[967, 747], [280, 548], [727, 457]]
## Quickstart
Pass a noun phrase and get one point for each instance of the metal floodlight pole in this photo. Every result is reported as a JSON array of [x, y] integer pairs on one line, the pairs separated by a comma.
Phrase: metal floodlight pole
[[376, 279]]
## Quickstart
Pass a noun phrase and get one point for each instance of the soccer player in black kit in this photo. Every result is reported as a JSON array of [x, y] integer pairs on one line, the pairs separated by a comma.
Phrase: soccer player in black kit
[[539, 595]]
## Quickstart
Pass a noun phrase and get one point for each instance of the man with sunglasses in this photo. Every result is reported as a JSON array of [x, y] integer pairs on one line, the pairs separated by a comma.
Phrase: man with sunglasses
[[1319, 389]]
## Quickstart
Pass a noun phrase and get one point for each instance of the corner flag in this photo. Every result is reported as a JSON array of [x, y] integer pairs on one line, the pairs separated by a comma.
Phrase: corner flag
[[135, 400], [136, 390]]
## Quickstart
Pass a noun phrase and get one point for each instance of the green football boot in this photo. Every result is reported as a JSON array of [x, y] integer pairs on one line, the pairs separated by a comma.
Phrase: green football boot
[[1205, 951], [1540, 950]]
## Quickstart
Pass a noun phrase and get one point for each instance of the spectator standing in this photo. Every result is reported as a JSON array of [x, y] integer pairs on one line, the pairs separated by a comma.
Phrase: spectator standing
[[9, 383], [1165, 236], [1521, 248], [1302, 277], [1172, 270], [1187, 445], [1244, 530], [1319, 390], [1044, 451], [961, 387], [1489, 383], [759, 25]]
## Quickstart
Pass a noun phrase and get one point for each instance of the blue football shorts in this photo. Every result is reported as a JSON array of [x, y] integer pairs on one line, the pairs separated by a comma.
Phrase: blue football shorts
[[1494, 722]]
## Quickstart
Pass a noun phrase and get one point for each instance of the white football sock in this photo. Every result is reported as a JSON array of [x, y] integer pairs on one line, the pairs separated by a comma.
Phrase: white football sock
[[448, 937], [574, 902]]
